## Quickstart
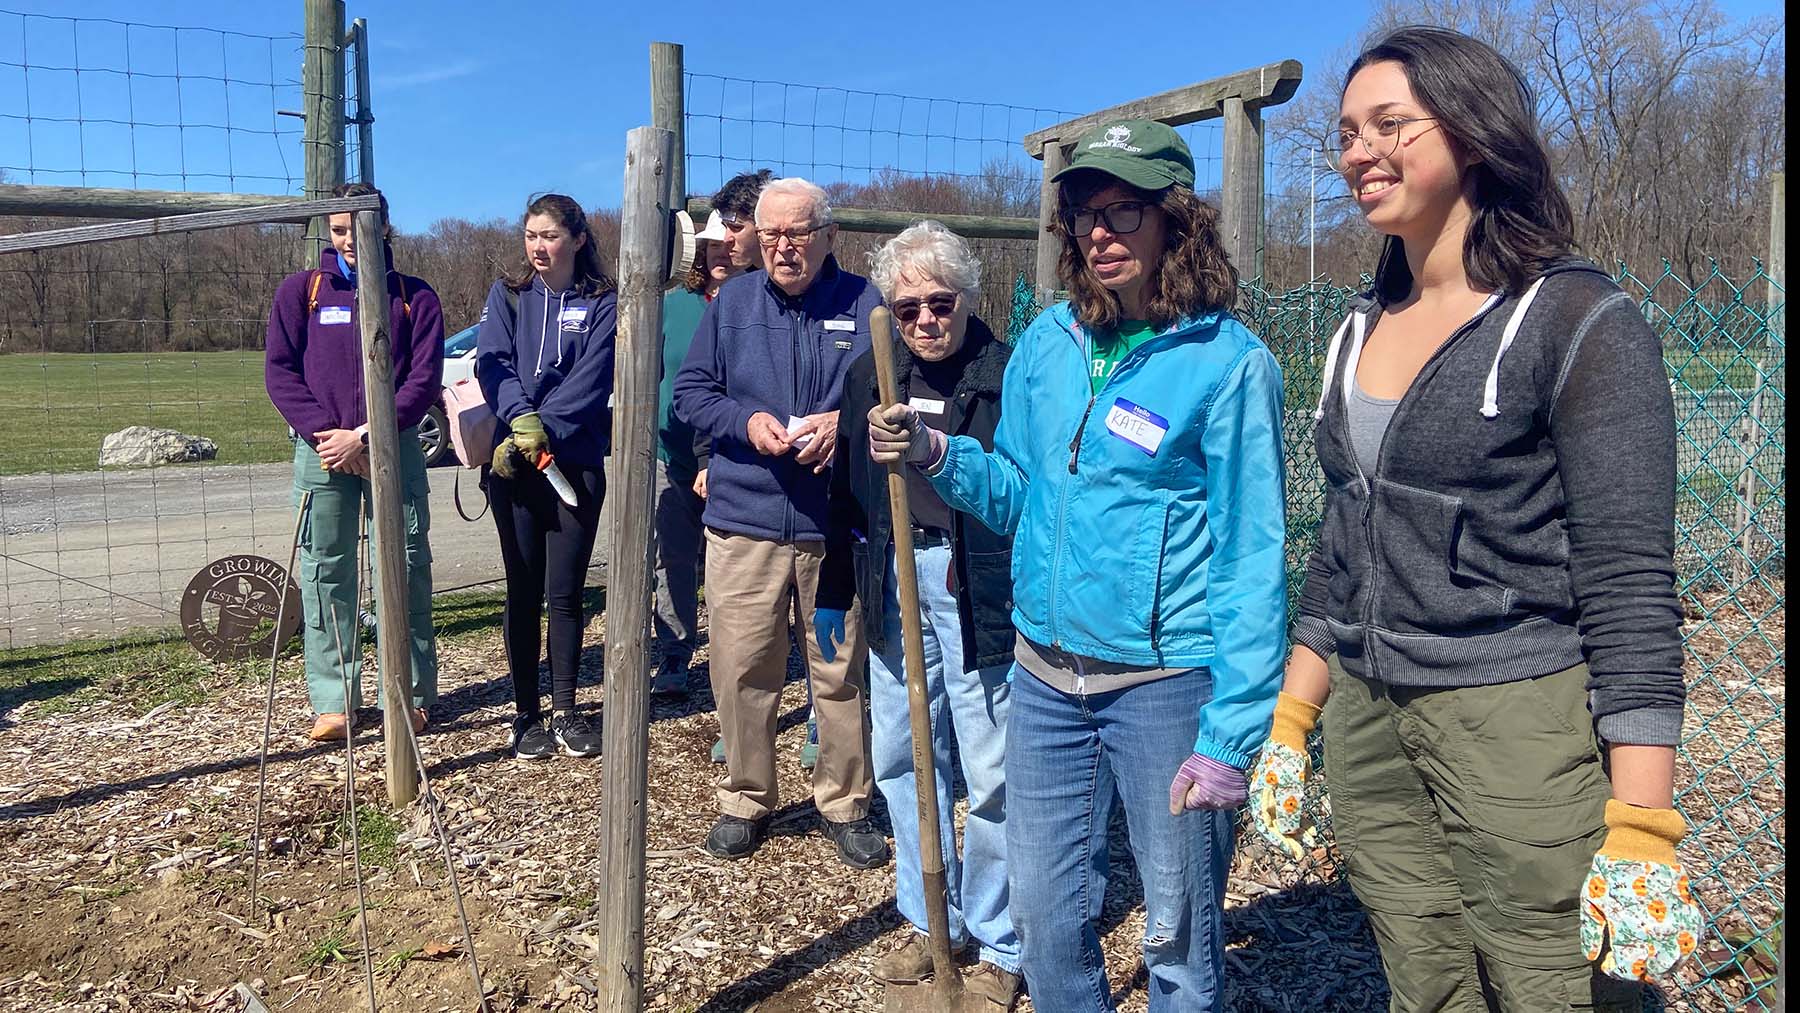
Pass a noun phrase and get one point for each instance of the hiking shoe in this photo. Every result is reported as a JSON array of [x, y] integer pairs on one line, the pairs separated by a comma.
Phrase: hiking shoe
[[329, 728], [809, 751], [734, 837], [575, 734], [859, 844], [718, 750], [998, 986], [532, 739], [671, 679], [910, 962]]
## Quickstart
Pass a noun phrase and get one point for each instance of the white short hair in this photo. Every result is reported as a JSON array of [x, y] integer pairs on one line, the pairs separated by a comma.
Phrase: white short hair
[[794, 186], [928, 249]]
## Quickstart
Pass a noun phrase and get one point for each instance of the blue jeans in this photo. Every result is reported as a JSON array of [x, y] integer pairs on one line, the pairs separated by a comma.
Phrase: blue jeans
[[971, 706], [1070, 756]]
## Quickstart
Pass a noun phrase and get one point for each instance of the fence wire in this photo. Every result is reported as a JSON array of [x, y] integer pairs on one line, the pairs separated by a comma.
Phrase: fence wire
[[99, 102]]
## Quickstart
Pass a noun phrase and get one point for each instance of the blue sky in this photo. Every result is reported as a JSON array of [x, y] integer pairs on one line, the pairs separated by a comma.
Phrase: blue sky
[[479, 104]]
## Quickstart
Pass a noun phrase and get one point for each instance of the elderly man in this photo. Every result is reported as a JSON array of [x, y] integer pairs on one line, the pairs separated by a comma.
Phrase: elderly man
[[763, 379]]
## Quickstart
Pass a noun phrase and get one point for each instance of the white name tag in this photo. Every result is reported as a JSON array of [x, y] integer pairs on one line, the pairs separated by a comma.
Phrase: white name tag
[[795, 422], [928, 405], [840, 325], [334, 314], [1140, 427], [572, 318]]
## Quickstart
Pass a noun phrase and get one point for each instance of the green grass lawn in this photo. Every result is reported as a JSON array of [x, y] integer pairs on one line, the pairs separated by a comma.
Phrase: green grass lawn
[[60, 406]]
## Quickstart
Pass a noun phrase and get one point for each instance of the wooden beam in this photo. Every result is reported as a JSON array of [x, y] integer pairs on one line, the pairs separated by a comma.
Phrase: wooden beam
[[666, 111], [23, 200], [643, 268], [365, 113], [262, 214], [890, 222], [1258, 87], [1241, 188], [322, 136], [1049, 247], [394, 645]]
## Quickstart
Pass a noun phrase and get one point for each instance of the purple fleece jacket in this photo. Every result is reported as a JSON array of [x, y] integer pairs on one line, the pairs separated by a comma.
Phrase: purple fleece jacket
[[312, 362]]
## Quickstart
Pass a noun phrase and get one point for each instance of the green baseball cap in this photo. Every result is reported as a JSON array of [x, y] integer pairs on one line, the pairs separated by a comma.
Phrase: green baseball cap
[[1144, 153]]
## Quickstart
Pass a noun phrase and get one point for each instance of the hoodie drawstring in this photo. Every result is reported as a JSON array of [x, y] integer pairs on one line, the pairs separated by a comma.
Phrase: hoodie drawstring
[[544, 331], [1490, 395], [1331, 354]]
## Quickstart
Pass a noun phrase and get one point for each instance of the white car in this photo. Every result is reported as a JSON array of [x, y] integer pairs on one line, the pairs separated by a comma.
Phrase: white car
[[459, 364]]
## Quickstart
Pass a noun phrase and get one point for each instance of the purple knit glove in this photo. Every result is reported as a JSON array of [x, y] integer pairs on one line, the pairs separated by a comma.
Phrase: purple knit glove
[[1205, 783]]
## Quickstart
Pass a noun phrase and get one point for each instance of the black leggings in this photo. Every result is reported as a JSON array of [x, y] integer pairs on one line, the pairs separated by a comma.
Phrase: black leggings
[[546, 546]]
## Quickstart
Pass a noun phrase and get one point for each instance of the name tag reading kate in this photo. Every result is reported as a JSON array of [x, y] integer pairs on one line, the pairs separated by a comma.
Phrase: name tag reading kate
[[1138, 426], [334, 315]]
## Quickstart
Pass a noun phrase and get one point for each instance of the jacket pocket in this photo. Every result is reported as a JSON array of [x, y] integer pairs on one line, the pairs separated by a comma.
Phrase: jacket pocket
[[1424, 586], [990, 594], [1341, 541]]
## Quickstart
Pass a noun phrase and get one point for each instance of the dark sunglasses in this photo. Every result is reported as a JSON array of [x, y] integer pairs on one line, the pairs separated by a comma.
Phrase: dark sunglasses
[[941, 305], [1121, 218]]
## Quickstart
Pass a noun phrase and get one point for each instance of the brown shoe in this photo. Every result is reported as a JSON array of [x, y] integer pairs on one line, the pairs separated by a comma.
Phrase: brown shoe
[[419, 719], [1000, 988], [910, 962], [329, 728]]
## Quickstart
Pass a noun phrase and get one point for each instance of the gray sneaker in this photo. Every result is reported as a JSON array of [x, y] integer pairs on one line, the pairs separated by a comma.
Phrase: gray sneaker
[[575, 734]]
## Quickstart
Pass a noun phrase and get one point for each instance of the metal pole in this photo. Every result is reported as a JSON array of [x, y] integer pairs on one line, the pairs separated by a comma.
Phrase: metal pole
[[365, 117], [667, 111], [323, 135], [394, 646], [1312, 252], [643, 267]]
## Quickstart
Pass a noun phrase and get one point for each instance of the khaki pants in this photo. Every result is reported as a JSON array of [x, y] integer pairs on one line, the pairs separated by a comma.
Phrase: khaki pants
[[1467, 818], [747, 585]]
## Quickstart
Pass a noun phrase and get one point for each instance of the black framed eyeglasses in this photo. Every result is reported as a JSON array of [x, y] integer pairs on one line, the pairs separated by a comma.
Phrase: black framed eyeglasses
[[1121, 218], [941, 305], [798, 237], [1383, 142]]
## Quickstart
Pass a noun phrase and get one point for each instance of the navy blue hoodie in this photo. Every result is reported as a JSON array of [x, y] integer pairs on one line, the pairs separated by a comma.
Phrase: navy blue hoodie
[[760, 350], [556, 359]]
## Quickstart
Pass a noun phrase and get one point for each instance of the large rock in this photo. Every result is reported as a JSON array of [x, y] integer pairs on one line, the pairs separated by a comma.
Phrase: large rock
[[147, 447]]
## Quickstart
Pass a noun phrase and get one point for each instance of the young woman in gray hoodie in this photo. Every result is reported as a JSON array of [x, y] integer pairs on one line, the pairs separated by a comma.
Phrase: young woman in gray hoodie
[[1489, 623]]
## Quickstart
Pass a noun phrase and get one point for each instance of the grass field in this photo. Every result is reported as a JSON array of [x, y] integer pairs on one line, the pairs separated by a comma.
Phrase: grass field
[[60, 406]]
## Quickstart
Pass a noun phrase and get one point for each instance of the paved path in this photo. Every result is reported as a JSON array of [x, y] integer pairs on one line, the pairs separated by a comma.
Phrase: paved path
[[105, 552]]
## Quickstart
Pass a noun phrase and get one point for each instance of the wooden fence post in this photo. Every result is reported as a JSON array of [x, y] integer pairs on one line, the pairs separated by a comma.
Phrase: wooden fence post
[[668, 111], [643, 268], [393, 626], [1241, 188], [323, 140], [365, 115], [1049, 247]]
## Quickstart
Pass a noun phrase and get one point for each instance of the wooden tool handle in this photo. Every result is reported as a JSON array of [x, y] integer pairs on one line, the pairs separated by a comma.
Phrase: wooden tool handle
[[947, 977]]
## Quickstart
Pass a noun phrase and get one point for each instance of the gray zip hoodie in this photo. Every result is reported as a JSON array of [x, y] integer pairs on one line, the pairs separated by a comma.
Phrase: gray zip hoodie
[[1521, 516]]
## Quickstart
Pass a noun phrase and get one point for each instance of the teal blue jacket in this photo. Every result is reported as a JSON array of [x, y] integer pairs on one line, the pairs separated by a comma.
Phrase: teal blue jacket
[[1154, 551]]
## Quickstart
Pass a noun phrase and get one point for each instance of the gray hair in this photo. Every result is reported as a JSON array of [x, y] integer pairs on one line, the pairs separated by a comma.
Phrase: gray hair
[[929, 249], [794, 186]]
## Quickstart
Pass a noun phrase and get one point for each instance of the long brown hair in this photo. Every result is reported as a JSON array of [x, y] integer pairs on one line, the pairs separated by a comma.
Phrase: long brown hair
[[1486, 109], [590, 278], [1194, 274]]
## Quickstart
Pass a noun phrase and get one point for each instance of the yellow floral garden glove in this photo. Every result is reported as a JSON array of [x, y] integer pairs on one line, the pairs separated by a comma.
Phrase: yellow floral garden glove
[[1279, 784], [1636, 896]]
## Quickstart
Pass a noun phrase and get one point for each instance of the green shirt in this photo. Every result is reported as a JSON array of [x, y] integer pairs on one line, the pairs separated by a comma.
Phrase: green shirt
[[675, 439], [1109, 348]]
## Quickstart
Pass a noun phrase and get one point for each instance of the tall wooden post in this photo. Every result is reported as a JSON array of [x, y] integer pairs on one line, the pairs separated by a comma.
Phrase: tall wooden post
[[668, 112], [323, 135], [394, 640], [1241, 187], [643, 267], [365, 116], [1049, 247]]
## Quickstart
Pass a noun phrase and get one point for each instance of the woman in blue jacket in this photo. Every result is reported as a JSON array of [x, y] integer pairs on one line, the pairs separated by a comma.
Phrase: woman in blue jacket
[[545, 363], [1138, 467]]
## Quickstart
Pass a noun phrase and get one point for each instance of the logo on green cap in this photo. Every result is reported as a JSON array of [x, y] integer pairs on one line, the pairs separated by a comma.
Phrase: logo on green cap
[[1117, 137]]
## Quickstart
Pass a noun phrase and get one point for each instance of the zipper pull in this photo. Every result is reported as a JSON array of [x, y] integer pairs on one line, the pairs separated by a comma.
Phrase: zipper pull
[[1075, 444]]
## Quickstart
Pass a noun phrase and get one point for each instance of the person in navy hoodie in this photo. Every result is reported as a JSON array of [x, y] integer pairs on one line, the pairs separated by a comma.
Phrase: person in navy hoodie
[[313, 370], [762, 380], [544, 359]]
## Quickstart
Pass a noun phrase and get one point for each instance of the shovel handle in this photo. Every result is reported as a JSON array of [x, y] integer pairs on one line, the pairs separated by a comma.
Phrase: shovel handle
[[947, 978]]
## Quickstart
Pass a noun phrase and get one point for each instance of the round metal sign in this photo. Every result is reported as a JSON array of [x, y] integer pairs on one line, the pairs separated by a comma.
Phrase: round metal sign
[[229, 609]]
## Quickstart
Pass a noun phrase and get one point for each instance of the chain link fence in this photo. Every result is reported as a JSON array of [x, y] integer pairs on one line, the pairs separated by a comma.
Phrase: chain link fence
[[1723, 346]]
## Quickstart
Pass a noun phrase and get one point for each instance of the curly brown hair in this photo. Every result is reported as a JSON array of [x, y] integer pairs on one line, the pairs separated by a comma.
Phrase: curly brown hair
[[695, 279], [1194, 274]]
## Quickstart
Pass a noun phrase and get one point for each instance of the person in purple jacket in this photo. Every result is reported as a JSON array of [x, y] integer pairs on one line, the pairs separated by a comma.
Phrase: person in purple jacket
[[313, 369], [544, 359]]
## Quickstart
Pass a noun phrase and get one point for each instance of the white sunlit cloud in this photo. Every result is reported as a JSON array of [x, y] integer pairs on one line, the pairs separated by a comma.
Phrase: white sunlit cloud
[[431, 75]]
